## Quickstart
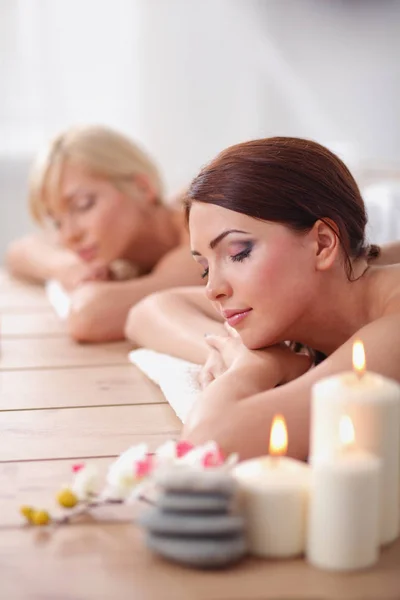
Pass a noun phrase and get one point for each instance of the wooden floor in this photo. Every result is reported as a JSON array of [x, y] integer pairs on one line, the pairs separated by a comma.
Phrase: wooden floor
[[61, 402]]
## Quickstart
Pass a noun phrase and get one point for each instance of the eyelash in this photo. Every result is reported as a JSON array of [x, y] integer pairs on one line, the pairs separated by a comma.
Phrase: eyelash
[[236, 258], [88, 202], [243, 254]]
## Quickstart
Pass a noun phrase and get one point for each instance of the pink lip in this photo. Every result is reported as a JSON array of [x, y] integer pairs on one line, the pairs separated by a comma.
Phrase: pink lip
[[87, 254], [233, 317]]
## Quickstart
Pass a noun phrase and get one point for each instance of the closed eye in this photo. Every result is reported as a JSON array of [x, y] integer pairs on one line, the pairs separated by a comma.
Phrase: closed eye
[[205, 273], [85, 202], [243, 254]]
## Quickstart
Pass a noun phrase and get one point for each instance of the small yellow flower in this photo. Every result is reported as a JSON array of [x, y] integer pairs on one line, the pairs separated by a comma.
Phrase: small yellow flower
[[67, 498], [40, 517], [27, 512]]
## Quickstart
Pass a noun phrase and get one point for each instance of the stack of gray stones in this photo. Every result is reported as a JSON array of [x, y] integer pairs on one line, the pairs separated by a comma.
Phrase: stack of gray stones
[[194, 520]]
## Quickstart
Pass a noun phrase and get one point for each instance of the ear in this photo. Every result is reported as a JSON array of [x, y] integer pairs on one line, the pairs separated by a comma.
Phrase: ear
[[327, 244]]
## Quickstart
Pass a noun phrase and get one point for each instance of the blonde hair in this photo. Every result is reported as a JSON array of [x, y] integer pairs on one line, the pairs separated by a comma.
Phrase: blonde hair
[[99, 150]]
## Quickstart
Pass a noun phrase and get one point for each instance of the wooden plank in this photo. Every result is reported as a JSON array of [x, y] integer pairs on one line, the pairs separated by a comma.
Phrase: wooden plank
[[67, 388], [41, 324], [111, 561], [23, 299], [59, 352], [77, 432]]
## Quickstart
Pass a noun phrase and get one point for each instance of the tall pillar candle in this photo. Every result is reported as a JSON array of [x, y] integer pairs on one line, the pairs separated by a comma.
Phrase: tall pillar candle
[[373, 403]]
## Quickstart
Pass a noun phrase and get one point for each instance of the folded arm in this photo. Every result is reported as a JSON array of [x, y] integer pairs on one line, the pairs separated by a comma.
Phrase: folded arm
[[390, 254], [175, 322], [35, 258], [99, 309], [236, 412]]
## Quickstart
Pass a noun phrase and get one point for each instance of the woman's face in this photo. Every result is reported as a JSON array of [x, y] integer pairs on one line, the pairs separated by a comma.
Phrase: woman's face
[[259, 274], [93, 218]]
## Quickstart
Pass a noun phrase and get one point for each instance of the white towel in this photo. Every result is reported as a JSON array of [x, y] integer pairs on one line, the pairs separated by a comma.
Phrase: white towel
[[176, 378], [58, 298]]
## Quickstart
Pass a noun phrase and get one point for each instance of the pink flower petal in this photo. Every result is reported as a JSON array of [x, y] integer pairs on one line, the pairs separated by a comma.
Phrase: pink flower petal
[[213, 459], [77, 467], [183, 448], [143, 467]]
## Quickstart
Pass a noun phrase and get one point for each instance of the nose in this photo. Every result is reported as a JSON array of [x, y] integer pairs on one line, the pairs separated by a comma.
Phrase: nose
[[217, 288], [70, 233]]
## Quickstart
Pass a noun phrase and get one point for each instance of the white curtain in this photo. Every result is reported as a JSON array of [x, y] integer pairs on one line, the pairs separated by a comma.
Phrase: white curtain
[[65, 62]]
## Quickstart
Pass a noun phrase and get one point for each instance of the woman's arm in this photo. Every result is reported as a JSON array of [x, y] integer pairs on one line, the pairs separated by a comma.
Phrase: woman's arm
[[390, 254], [99, 309], [175, 322], [37, 259], [235, 412]]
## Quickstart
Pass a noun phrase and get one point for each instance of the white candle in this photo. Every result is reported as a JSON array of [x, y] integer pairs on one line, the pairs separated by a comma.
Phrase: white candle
[[274, 492], [373, 403], [343, 524]]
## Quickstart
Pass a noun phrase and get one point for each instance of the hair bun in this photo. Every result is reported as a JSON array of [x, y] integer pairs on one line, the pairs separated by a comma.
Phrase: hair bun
[[373, 251]]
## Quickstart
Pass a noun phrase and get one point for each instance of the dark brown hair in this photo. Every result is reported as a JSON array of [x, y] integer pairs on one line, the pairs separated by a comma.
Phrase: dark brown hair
[[291, 181]]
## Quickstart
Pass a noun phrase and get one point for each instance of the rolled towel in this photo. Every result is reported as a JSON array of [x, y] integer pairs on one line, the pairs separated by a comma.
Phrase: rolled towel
[[177, 378], [58, 298]]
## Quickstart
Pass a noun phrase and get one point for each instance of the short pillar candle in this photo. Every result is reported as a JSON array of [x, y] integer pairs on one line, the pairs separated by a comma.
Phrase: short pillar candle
[[274, 491]]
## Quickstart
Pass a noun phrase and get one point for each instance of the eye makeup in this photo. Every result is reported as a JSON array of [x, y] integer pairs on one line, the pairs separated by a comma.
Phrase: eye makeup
[[238, 256], [245, 253]]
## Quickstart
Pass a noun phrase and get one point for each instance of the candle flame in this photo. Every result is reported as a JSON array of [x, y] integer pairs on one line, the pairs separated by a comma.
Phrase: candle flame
[[346, 431], [359, 357], [278, 442]]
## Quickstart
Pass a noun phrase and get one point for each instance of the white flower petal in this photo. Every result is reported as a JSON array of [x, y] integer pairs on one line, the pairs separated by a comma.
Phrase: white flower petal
[[85, 482], [166, 453], [121, 473]]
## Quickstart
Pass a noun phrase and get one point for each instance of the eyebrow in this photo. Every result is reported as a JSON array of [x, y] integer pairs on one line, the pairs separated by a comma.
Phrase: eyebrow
[[219, 239]]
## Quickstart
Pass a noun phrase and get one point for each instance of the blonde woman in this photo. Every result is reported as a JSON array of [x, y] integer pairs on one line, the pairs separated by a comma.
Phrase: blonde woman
[[100, 199]]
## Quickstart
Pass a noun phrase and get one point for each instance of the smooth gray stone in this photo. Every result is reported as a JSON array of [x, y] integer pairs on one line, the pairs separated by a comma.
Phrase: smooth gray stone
[[188, 479], [157, 521], [193, 502], [199, 552]]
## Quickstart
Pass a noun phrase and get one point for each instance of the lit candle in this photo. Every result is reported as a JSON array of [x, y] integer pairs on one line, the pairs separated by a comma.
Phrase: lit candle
[[373, 403], [274, 491], [343, 523]]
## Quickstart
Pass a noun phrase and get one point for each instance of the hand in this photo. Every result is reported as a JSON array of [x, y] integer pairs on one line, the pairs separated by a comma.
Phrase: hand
[[274, 365], [213, 368], [214, 365], [76, 273]]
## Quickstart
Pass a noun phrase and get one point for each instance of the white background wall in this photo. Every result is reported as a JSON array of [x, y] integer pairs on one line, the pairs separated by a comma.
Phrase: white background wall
[[188, 77]]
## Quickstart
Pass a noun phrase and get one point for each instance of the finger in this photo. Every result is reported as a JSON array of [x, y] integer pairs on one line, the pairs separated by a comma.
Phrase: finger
[[217, 341], [231, 330], [101, 272], [205, 378]]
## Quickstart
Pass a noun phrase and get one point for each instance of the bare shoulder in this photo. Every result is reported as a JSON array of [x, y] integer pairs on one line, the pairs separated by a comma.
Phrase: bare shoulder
[[388, 285]]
